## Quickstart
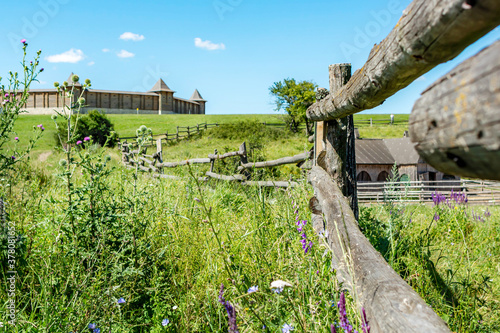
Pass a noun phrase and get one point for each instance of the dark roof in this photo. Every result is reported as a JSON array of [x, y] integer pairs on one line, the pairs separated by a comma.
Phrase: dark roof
[[196, 96], [386, 151], [403, 150], [372, 151], [160, 85]]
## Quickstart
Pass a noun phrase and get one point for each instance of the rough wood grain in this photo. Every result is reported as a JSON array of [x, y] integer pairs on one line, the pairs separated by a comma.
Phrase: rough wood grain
[[391, 305], [429, 33], [281, 161], [340, 157], [456, 122]]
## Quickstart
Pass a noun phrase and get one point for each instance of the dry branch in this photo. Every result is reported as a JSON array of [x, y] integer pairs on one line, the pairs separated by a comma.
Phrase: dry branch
[[224, 177], [176, 164], [391, 305], [226, 155], [285, 160], [429, 33], [456, 122], [270, 183]]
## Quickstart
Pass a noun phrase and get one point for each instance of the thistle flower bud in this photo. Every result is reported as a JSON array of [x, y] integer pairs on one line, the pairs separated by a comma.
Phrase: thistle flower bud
[[107, 158], [56, 84], [81, 101], [65, 83], [63, 163], [75, 78], [53, 117], [87, 81]]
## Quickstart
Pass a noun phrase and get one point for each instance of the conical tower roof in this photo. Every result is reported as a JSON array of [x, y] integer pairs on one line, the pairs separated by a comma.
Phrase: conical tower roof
[[70, 81], [196, 96], [160, 85]]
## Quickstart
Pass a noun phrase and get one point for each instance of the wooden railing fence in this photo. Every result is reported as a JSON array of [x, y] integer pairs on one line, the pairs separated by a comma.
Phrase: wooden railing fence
[[456, 125], [182, 132], [153, 163], [477, 192]]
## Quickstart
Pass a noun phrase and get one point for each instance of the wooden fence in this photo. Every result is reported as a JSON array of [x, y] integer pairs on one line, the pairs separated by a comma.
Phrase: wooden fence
[[182, 132], [456, 125], [477, 192], [153, 163]]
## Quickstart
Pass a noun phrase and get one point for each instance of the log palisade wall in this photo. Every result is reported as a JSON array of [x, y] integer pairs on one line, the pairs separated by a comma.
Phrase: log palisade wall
[[455, 125]]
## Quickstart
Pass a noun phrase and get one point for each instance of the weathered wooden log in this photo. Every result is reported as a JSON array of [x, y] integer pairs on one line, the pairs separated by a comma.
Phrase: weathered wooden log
[[244, 160], [224, 177], [226, 155], [146, 160], [429, 33], [176, 164], [281, 161], [284, 184], [390, 303], [456, 122], [339, 145]]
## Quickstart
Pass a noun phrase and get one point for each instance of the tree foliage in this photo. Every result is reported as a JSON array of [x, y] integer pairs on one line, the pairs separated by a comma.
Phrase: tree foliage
[[294, 97]]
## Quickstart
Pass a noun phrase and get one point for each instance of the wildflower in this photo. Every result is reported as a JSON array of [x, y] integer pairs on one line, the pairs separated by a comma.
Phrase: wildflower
[[121, 300], [364, 326], [16, 138], [75, 78], [487, 213], [92, 326], [436, 217], [81, 101], [277, 290], [79, 142], [40, 126], [165, 322], [197, 200], [174, 307], [97, 330], [23, 41], [6, 95], [42, 69], [86, 139], [287, 328], [253, 289], [280, 284], [13, 157], [231, 312], [344, 322], [332, 329]]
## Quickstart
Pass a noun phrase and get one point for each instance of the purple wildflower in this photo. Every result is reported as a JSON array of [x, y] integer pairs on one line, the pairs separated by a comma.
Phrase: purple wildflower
[[253, 289], [364, 326], [92, 326], [437, 198], [121, 300], [344, 322], [86, 138], [231, 312], [332, 329], [42, 69], [23, 41], [97, 330], [165, 322], [487, 213], [13, 157], [287, 328], [79, 142], [436, 217], [16, 138], [277, 290]]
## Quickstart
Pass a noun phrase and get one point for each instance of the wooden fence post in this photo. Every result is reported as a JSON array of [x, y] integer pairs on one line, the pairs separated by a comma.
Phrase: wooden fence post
[[159, 152], [205, 125], [340, 158], [244, 160], [371, 122], [177, 133], [212, 162]]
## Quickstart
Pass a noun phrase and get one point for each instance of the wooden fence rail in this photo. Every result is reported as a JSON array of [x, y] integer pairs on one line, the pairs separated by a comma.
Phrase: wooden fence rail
[[154, 164], [455, 125]]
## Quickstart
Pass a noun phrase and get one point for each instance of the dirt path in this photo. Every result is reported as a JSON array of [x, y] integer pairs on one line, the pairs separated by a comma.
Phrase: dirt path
[[43, 156]]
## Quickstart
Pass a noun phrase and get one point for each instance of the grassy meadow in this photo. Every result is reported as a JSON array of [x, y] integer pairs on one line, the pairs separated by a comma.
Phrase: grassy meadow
[[120, 251]]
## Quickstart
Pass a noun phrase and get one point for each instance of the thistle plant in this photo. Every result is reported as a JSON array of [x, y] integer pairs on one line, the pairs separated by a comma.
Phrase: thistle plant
[[13, 98]]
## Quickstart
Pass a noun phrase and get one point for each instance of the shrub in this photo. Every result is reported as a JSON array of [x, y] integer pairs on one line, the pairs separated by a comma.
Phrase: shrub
[[94, 124]]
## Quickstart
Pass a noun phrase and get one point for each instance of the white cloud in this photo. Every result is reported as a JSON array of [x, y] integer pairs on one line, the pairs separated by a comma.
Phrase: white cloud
[[421, 78], [208, 45], [72, 56], [125, 54], [131, 36], [91, 63], [105, 50]]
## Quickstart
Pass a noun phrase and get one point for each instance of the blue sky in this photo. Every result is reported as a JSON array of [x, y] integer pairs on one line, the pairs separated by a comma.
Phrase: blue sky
[[230, 50]]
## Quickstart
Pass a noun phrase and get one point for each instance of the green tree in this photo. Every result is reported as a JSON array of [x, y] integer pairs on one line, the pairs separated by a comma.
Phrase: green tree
[[294, 97]]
